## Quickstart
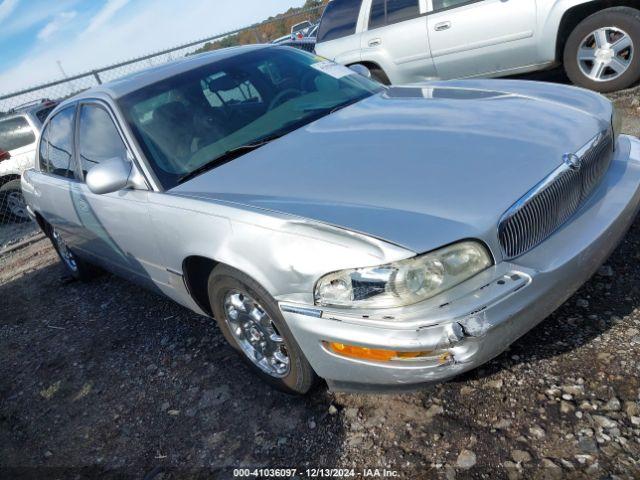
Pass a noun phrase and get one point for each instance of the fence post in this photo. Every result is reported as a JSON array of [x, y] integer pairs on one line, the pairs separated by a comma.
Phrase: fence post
[[97, 77]]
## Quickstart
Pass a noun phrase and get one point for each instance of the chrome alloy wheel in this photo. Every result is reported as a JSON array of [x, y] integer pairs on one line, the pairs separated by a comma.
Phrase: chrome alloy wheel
[[67, 256], [16, 205], [253, 329], [606, 54]]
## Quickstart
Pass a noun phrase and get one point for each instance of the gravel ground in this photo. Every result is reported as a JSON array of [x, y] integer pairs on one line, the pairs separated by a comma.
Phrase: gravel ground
[[105, 379]]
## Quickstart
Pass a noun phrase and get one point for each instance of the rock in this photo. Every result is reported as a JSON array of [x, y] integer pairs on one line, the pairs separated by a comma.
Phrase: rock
[[173, 413], [48, 454], [613, 405], [566, 464], [582, 303], [605, 271], [497, 384], [520, 456], [587, 445], [513, 471], [214, 398], [466, 390], [466, 459], [575, 390], [164, 407], [312, 425], [537, 431], [592, 469], [282, 441], [604, 422], [566, 407], [631, 409], [332, 410], [433, 410], [351, 413], [502, 424], [635, 421], [551, 470]]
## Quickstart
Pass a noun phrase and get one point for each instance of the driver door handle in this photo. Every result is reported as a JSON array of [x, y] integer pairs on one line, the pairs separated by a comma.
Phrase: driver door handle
[[442, 26], [376, 42]]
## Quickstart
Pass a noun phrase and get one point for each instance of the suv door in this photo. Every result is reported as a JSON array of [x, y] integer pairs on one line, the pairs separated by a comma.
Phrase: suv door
[[116, 226], [477, 37], [396, 39], [337, 39]]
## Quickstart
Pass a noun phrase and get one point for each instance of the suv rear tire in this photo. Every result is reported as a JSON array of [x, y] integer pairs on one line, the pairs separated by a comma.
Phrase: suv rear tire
[[602, 66], [12, 205]]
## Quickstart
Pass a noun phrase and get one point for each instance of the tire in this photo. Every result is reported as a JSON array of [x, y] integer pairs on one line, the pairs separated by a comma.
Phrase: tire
[[379, 76], [617, 21], [77, 268], [226, 286], [12, 205]]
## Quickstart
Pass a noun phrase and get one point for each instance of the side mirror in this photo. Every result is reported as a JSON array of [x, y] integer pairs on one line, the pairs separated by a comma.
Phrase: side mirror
[[361, 70], [109, 176]]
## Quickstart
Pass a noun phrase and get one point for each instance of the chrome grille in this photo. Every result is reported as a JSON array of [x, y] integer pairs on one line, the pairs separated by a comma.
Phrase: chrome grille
[[551, 203]]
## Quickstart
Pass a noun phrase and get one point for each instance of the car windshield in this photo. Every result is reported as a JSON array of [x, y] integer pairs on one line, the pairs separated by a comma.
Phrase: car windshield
[[202, 118]]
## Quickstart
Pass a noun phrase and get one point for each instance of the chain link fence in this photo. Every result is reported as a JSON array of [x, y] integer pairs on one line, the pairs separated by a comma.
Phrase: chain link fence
[[13, 227]]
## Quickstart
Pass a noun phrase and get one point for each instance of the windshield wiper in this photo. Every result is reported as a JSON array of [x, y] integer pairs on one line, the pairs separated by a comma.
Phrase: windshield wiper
[[228, 156]]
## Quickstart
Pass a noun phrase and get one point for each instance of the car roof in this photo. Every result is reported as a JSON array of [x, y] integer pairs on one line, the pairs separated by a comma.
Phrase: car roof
[[125, 85]]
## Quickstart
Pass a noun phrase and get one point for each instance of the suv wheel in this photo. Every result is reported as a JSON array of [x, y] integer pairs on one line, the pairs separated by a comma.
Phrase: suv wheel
[[251, 321], [603, 52], [12, 204]]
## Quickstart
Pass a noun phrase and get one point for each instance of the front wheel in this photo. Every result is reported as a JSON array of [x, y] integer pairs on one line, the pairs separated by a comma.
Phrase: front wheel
[[251, 321], [603, 52]]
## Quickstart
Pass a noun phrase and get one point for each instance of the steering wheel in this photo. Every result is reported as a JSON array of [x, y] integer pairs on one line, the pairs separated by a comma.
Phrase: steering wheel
[[280, 98]]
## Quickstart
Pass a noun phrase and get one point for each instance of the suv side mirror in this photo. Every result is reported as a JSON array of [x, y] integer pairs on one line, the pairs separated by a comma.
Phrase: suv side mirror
[[361, 70], [109, 176]]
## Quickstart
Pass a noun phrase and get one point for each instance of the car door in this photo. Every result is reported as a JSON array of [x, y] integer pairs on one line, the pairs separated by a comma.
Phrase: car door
[[480, 37], [116, 227], [396, 39], [57, 175]]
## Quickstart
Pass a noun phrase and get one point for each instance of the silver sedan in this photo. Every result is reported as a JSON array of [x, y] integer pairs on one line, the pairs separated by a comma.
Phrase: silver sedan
[[375, 237]]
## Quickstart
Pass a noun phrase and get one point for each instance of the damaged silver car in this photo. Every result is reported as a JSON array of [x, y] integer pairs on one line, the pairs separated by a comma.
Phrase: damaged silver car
[[376, 237]]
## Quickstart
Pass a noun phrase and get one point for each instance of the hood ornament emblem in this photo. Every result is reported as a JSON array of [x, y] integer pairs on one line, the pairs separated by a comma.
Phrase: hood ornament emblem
[[573, 161]]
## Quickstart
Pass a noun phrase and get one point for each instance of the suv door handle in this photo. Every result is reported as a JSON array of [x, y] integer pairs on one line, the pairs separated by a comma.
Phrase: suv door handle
[[441, 27], [376, 42]]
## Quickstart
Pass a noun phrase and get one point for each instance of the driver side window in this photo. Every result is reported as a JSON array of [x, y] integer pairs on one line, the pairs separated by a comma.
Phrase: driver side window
[[99, 138], [446, 4]]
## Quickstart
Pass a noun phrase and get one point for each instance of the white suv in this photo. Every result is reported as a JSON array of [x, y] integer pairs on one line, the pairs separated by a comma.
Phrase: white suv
[[407, 41], [18, 134]]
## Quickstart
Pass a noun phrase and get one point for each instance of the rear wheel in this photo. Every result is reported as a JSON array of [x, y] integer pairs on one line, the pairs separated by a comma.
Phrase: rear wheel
[[603, 52], [251, 321], [75, 266], [12, 205]]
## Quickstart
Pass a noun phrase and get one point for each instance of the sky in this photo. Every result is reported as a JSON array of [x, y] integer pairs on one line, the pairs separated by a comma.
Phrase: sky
[[87, 34]]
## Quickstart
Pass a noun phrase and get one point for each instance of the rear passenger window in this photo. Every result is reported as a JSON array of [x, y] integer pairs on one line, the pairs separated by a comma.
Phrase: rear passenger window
[[444, 4], [15, 133], [99, 138], [57, 145], [339, 20], [401, 10]]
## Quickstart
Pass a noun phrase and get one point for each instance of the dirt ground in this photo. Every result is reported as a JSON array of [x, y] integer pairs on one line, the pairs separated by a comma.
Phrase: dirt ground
[[107, 380]]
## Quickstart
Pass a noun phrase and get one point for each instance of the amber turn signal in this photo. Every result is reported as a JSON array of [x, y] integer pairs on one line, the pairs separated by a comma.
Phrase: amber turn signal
[[378, 355]]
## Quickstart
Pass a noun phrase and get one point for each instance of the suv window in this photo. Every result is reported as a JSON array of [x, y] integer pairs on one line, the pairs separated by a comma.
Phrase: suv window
[[99, 139], [401, 10], [339, 20], [387, 12], [15, 133], [444, 4], [57, 144]]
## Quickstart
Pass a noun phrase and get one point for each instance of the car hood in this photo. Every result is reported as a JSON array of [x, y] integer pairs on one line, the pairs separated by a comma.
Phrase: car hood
[[420, 166]]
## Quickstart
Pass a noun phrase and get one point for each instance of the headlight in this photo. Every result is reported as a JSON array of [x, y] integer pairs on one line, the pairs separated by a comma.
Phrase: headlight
[[405, 282], [616, 123]]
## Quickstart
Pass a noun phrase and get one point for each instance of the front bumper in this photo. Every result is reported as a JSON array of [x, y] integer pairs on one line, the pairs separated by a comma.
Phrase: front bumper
[[478, 320]]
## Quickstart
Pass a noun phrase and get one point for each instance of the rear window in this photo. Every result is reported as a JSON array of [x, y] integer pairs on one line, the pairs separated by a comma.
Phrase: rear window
[[15, 133], [339, 20]]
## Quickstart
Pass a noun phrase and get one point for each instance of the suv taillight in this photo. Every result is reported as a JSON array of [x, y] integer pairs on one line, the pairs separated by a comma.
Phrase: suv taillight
[[4, 155]]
